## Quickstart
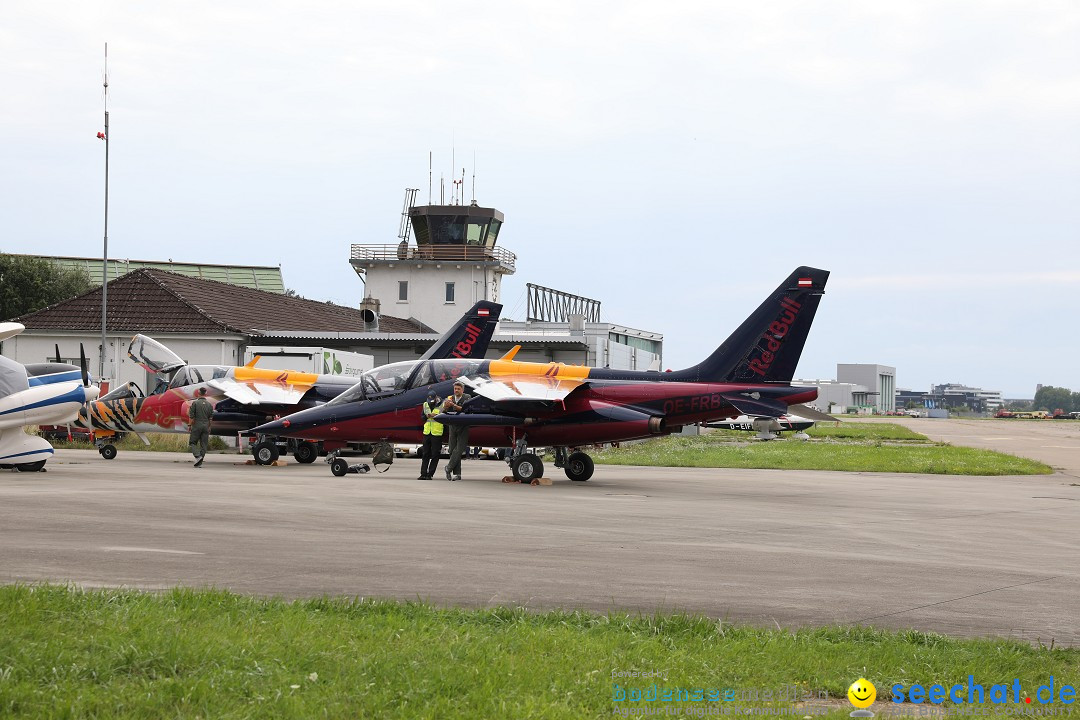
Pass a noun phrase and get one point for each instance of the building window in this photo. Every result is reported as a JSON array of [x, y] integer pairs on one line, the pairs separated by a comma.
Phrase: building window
[[403, 290], [449, 292]]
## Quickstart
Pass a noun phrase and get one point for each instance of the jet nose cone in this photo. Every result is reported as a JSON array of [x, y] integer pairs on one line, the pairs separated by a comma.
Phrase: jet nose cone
[[274, 427]]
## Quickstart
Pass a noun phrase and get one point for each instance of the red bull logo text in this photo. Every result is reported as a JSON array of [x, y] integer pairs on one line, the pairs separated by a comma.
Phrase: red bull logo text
[[465, 347], [773, 339]]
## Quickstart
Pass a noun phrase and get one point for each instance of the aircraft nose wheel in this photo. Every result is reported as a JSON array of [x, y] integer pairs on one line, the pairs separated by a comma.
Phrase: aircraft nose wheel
[[526, 467], [579, 467], [306, 452], [107, 451], [339, 467]]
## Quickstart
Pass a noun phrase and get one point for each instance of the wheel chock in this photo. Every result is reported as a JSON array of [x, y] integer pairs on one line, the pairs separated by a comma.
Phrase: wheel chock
[[511, 480]]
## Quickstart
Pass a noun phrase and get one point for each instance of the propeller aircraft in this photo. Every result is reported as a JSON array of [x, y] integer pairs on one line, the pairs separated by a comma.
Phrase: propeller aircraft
[[36, 394], [522, 404]]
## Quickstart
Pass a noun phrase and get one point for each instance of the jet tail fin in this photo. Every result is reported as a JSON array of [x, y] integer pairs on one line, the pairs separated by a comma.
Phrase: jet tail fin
[[469, 338], [767, 346]]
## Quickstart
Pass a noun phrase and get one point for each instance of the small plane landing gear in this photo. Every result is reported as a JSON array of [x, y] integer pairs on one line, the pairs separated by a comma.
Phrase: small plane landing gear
[[526, 467], [31, 467], [578, 466]]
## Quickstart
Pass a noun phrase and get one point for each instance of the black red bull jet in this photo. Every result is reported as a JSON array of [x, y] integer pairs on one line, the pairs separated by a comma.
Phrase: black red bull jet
[[246, 396], [521, 405]]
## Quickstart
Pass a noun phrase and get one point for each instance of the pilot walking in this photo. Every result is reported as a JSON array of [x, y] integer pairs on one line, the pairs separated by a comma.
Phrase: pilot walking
[[459, 434], [200, 411], [431, 450]]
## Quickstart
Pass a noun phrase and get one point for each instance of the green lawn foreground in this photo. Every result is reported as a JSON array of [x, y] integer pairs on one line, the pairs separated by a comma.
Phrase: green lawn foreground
[[878, 447], [184, 653]]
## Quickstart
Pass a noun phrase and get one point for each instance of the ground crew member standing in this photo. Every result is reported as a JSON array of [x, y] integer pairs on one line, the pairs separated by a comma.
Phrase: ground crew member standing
[[459, 434], [431, 450], [200, 411]]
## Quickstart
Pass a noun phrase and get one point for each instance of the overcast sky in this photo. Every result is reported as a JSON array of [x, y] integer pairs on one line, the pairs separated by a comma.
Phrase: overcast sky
[[674, 160]]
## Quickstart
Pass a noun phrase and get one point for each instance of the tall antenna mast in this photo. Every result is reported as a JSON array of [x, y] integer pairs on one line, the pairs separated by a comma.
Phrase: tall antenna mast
[[474, 177], [105, 246], [428, 177]]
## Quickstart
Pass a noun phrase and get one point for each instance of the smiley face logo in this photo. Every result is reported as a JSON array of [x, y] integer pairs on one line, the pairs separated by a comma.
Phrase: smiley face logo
[[862, 693]]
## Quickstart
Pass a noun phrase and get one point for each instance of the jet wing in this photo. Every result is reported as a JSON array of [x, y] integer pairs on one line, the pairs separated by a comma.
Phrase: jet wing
[[522, 391], [260, 393], [753, 403]]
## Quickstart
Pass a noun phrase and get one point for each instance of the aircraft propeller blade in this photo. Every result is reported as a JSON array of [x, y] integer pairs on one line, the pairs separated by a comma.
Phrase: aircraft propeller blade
[[82, 364], [58, 360]]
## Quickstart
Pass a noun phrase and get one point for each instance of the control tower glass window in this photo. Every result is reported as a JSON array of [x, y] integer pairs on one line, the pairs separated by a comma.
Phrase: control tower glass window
[[474, 233], [493, 232]]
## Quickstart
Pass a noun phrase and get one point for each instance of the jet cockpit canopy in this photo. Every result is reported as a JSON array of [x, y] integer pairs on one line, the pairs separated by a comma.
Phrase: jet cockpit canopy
[[153, 356]]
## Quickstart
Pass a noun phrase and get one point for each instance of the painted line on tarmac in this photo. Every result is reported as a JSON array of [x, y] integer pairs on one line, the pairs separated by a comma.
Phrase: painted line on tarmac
[[118, 548]]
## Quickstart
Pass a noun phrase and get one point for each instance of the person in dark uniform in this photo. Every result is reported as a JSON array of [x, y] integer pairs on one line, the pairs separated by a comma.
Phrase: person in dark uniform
[[431, 450], [200, 411], [459, 434]]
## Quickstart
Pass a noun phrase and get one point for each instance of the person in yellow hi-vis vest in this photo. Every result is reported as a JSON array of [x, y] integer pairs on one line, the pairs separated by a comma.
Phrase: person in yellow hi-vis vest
[[431, 450]]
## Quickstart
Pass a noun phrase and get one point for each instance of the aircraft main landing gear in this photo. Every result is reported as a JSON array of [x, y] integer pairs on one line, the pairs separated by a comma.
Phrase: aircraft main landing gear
[[527, 466], [578, 466]]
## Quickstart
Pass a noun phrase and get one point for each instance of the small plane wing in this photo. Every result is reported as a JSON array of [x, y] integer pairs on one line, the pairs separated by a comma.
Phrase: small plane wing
[[805, 411], [260, 393]]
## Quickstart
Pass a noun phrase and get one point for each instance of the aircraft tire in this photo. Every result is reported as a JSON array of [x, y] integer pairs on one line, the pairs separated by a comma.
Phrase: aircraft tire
[[339, 467], [527, 467], [108, 451], [306, 453], [31, 467], [266, 453], [579, 467]]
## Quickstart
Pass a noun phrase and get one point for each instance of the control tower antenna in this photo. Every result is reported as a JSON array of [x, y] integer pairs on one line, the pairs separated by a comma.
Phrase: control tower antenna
[[429, 177], [474, 177]]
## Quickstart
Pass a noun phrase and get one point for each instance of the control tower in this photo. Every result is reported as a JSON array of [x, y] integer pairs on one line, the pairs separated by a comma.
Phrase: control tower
[[452, 262]]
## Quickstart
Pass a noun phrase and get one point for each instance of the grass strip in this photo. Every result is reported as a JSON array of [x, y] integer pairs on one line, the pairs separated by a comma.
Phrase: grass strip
[[185, 653], [787, 454]]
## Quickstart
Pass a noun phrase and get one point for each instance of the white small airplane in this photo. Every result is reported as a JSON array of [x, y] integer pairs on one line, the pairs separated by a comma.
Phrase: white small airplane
[[768, 428], [39, 394]]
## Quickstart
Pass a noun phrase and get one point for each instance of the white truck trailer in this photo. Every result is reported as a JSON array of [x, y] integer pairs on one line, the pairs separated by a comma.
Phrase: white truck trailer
[[323, 361]]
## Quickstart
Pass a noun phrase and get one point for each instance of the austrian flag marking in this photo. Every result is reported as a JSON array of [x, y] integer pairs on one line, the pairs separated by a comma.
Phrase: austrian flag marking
[[483, 312], [806, 282]]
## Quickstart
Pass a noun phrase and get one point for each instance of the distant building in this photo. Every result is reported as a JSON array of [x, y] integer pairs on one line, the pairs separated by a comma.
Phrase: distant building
[[953, 395], [857, 387]]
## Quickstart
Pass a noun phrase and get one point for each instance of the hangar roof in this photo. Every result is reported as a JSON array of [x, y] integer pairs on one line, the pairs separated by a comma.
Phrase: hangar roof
[[152, 300], [259, 277]]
